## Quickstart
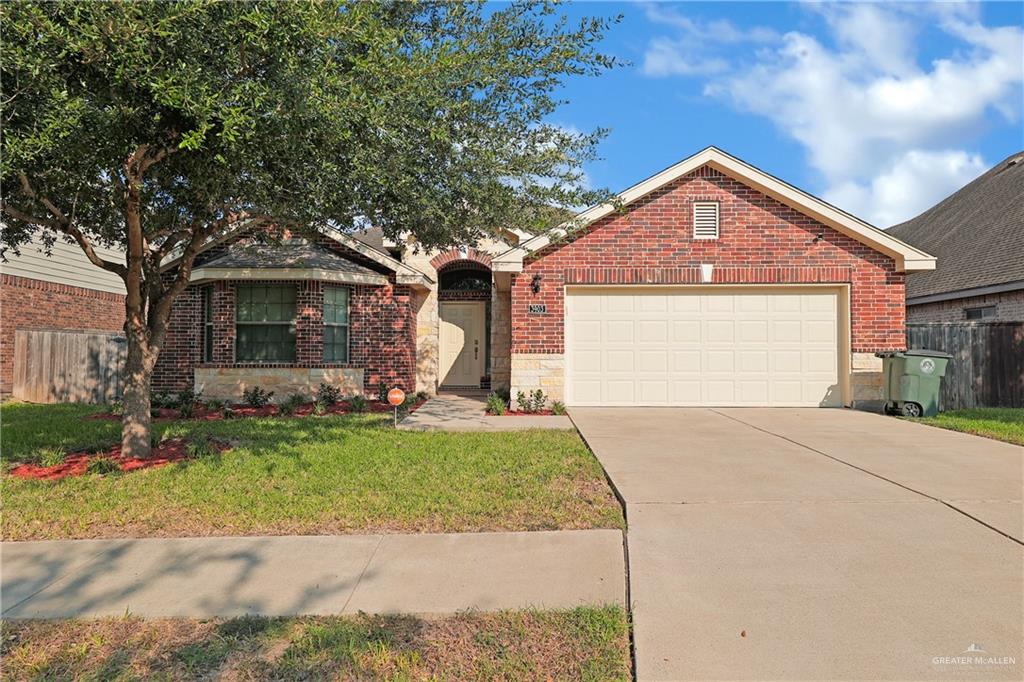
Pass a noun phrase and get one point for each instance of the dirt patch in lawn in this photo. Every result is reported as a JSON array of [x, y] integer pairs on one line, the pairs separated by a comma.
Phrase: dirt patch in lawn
[[78, 464], [583, 643]]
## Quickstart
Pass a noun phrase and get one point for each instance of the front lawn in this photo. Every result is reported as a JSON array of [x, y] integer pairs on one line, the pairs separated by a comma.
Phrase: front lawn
[[309, 475], [579, 644], [1001, 423]]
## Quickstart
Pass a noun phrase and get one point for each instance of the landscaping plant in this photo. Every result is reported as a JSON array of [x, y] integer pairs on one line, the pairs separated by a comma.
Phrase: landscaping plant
[[328, 394], [102, 466], [50, 456], [357, 403], [256, 396], [155, 127], [202, 446], [496, 404], [558, 407], [532, 403], [290, 404], [319, 407], [187, 402]]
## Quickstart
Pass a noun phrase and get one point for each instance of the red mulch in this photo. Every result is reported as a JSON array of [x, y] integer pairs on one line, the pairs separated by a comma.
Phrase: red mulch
[[305, 410], [517, 413], [76, 464]]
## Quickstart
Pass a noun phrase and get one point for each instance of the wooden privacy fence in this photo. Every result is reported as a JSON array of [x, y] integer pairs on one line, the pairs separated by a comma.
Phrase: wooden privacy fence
[[987, 369], [61, 366]]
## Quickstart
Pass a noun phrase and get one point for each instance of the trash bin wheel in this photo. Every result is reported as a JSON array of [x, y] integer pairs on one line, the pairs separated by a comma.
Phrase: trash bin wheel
[[911, 410]]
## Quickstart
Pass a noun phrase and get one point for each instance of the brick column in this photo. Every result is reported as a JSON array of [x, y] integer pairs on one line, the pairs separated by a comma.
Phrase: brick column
[[309, 323]]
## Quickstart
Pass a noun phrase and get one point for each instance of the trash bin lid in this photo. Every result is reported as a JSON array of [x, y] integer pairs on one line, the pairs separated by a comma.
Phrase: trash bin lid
[[928, 353]]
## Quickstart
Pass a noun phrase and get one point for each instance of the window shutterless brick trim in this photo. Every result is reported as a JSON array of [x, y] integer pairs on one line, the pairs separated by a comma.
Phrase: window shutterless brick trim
[[761, 241], [27, 303]]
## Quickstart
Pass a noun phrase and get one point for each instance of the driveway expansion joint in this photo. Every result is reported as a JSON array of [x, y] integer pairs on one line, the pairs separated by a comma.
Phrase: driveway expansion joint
[[872, 473]]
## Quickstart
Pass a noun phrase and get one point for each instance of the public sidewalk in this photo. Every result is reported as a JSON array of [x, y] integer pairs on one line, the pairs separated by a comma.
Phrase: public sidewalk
[[465, 412], [323, 575]]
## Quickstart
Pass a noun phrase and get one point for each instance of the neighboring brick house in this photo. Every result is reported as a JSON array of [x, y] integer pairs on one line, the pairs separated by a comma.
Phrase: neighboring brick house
[[977, 234], [711, 283], [62, 291]]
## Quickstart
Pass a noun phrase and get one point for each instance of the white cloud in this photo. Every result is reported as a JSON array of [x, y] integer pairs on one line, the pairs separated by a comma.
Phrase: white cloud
[[913, 183], [884, 132]]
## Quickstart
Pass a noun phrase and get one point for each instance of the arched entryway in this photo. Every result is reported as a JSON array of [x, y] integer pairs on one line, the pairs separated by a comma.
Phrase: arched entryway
[[464, 311]]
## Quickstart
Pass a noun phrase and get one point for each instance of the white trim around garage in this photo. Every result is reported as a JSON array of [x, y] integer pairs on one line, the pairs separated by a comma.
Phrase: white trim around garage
[[843, 320]]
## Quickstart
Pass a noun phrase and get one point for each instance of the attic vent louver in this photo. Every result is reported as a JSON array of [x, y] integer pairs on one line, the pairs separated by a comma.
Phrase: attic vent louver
[[705, 220]]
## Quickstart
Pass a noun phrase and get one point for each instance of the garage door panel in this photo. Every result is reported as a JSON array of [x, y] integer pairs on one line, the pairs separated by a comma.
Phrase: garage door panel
[[695, 347]]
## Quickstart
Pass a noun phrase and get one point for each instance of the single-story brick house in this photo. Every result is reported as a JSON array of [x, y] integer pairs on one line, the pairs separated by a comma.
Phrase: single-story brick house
[[710, 283]]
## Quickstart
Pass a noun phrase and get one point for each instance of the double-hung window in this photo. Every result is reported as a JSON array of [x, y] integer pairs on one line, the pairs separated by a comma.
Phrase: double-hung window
[[207, 324], [335, 324], [265, 323]]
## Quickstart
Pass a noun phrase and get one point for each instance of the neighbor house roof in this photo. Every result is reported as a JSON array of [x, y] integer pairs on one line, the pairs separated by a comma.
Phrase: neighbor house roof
[[292, 260], [977, 234], [907, 257]]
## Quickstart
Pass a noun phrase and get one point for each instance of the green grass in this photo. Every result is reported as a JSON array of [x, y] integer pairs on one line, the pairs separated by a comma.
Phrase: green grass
[[1001, 423], [327, 475], [587, 643]]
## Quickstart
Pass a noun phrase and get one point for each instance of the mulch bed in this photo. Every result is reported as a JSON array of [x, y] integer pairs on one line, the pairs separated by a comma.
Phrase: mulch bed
[[517, 413], [240, 411], [77, 464]]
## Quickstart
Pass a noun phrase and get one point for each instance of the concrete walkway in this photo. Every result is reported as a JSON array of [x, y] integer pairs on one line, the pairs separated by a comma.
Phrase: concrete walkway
[[815, 544], [450, 412], [278, 576]]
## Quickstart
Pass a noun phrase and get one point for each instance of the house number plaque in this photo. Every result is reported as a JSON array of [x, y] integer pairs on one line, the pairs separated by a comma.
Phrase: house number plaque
[[537, 308]]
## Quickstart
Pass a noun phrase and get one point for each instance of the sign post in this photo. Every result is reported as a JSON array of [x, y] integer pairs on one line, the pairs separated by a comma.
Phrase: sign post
[[396, 397]]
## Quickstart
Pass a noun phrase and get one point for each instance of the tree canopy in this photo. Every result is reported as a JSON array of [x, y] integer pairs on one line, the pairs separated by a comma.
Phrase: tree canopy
[[421, 118]]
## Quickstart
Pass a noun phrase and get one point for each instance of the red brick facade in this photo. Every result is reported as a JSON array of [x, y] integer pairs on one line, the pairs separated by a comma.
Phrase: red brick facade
[[761, 241], [382, 328], [36, 304]]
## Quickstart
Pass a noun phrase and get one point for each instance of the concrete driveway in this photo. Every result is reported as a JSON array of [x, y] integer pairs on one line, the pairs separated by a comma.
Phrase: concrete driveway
[[816, 544]]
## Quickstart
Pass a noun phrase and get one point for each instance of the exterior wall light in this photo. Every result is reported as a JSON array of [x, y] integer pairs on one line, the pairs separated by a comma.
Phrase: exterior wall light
[[535, 284]]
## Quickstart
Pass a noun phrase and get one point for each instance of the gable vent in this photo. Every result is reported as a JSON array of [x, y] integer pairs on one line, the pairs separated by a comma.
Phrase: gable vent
[[705, 220]]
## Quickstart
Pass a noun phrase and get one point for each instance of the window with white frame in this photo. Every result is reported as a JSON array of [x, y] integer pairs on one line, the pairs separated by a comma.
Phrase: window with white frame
[[705, 220], [336, 324]]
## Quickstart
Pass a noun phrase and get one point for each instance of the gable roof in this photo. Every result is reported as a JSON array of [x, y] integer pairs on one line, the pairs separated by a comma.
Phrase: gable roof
[[977, 233], [297, 259], [907, 257], [404, 274]]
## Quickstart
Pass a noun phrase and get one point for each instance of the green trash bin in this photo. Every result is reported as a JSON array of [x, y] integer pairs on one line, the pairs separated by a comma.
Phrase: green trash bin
[[912, 381]]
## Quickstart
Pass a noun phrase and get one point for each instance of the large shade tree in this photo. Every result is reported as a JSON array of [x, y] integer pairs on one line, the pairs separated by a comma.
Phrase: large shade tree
[[154, 127]]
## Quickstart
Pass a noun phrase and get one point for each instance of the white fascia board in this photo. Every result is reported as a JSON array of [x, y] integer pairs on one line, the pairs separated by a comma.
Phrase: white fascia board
[[404, 274], [274, 274], [907, 257]]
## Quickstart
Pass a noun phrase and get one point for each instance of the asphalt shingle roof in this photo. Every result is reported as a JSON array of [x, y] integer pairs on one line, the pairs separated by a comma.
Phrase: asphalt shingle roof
[[292, 255], [977, 234]]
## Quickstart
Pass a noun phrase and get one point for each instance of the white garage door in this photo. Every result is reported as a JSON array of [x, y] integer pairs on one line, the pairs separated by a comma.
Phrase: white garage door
[[699, 347]]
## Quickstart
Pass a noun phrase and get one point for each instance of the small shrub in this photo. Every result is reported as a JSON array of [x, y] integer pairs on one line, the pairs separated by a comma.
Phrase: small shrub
[[188, 398], [357, 403], [532, 403], [229, 413], [422, 396], [558, 407], [161, 400], [50, 456], [327, 394], [319, 407], [382, 392], [186, 410], [505, 394], [102, 466], [290, 404], [256, 396], [496, 404], [215, 404], [201, 447], [154, 412], [117, 408]]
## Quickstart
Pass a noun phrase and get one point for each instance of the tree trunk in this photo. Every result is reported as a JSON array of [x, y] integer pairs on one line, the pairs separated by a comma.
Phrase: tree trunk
[[136, 423]]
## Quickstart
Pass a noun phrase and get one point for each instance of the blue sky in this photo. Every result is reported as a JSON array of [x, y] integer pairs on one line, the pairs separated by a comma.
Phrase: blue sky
[[882, 109]]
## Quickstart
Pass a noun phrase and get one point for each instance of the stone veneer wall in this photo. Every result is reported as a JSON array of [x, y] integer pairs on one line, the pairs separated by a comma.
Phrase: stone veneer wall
[[228, 383], [762, 241]]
